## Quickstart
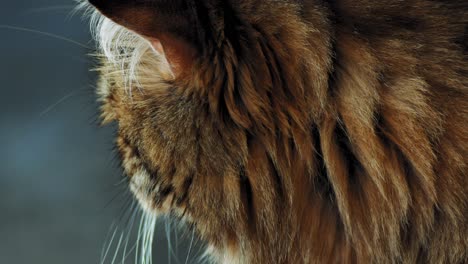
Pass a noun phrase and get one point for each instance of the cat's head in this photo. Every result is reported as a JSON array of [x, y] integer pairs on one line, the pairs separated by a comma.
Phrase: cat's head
[[204, 90]]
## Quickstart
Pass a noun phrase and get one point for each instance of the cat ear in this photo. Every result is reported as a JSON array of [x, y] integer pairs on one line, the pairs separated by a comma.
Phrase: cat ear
[[167, 24]]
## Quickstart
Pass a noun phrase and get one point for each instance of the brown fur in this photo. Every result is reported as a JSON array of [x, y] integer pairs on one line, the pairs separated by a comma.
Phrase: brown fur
[[308, 131]]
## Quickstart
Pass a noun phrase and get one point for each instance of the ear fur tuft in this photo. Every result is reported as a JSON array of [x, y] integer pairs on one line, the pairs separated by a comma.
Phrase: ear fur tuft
[[167, 25]]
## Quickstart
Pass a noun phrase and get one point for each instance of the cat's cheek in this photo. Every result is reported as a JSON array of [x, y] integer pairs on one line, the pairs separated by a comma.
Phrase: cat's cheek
[[225, 256], [140, 187], [139, 179], [151, 195], [147, 192]]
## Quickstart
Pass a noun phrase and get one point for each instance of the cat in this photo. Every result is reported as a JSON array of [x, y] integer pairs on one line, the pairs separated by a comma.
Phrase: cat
[[295, 131]]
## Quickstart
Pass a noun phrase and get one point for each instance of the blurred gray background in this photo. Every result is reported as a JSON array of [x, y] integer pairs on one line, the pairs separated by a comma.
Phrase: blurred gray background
[[59, 194]]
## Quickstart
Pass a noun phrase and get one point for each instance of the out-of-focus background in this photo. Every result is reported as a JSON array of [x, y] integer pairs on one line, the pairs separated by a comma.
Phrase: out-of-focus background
[[59, 192]]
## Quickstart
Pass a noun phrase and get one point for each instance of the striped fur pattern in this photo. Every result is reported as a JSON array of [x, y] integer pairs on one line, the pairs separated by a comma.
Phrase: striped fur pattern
[[300, 131]]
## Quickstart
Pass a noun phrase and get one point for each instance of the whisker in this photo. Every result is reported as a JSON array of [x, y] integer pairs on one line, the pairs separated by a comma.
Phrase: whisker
[[170, 250], [146, 235], [201, 247], [126, 220], [61, 100], [103, 258], [129, 231], [168, 238], [145, 240], [113, 199], [176, 238], [48, 8], [117, 247], [153, 229], [190, 246], [137, 252], [122, 181], [126, 210], [47, 34], [150, 237]]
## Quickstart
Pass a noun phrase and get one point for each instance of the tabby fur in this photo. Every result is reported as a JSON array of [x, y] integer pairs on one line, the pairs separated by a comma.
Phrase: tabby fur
[[300, 131]]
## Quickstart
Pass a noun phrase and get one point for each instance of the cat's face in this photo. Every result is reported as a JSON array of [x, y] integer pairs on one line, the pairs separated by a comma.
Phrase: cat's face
[[210, 106], [147, 75], [188, 81]]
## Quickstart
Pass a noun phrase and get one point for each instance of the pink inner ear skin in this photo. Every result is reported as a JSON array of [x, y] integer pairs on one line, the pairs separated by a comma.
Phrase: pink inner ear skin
[[158, 48], [179, 54], [156, 43], [179, 51]]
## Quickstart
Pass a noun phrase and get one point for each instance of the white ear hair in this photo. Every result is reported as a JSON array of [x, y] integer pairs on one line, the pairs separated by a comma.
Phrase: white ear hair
[[120, 46], [133, 57]]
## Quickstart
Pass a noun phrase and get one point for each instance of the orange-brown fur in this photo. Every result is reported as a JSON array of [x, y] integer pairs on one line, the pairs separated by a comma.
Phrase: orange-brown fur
[[308, 131]]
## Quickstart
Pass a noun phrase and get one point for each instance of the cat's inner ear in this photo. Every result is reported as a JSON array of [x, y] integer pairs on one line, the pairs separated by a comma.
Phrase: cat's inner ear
[[167, 24]]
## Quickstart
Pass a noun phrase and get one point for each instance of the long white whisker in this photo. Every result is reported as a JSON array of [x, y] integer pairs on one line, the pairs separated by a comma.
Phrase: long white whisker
[[117, 248], [190, 246], [168, 238], [198, 253], [149, 252], [61, 100], [176, 243], [49, 8], [144, 242], [127, 239], [153, 228], [106, 243], [137, 252], [170, 246], [51, 35], [147, 239], [103, 259]]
